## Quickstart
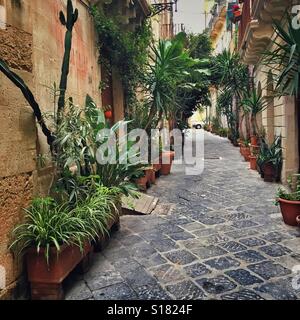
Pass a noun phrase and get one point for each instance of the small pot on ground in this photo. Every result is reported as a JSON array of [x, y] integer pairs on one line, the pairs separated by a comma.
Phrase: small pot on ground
[[156, 168], [142, 183], [253, 165], [46, 279], [166, 162], [298, 221], [247, 153], [150, 174], [254, 140], [290, 211]]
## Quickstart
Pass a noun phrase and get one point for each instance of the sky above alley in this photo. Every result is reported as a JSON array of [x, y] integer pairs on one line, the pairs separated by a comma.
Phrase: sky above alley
[[192, 14]]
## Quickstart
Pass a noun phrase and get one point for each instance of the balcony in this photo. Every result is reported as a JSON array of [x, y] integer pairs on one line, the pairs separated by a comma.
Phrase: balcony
[[218, 20], [255, 30]]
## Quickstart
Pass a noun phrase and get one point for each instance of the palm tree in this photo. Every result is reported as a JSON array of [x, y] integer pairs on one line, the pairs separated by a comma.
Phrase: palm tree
[[169, 69], [232, 76]]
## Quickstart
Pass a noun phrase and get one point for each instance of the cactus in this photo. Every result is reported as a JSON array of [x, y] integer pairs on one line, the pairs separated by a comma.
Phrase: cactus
[[69, 22], [16, 80]]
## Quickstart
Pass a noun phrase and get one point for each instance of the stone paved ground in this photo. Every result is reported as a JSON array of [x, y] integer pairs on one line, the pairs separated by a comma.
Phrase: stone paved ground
[[214, 236]]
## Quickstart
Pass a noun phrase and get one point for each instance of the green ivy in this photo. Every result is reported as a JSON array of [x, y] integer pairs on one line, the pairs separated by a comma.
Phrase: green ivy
[[125, 50]]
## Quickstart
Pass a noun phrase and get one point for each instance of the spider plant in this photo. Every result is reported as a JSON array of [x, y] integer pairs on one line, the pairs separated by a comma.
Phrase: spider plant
[[49, 224]]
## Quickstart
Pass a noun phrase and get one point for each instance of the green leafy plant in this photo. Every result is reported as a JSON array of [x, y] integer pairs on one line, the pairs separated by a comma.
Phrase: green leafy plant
[[254, 103], [294, 193], [169, 68], [284, 57], [271, 154], [78, 139], [229, 74], [127, 51], [49, 224]]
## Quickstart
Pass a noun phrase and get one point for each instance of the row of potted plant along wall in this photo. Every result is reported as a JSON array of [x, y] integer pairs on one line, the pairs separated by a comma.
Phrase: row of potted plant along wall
[[162, 166], [267, 160]]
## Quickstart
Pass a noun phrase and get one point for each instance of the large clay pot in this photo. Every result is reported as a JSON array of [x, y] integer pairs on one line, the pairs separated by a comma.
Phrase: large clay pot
[[290, 211], [46, 279], [268, 170], [253, 165], [166, 169]]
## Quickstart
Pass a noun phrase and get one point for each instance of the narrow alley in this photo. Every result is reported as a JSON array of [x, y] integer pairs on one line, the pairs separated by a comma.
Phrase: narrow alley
[[214, 236]]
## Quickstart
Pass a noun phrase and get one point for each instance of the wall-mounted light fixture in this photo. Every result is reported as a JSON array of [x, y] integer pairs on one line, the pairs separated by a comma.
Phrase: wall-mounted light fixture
[[164, 6]]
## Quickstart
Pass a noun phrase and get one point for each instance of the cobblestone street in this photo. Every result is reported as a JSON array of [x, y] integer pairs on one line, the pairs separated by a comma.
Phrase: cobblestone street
[[214, 236]]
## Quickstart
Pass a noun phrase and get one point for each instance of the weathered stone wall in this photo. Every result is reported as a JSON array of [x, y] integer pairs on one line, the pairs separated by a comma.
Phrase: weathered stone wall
[[279, 118], [32, 43]]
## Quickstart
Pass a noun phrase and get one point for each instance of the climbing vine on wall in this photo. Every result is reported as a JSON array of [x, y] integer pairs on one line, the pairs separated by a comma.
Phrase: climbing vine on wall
[[125, 50]]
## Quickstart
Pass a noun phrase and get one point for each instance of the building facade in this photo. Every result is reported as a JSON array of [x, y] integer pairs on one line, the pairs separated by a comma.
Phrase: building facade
[[280, 118]]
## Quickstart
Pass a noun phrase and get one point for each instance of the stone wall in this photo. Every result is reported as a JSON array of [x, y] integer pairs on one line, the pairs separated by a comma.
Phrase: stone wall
[[279, 118], [32, 45]]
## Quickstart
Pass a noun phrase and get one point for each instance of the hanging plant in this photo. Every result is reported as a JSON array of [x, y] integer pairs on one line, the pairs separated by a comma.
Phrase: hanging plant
[[127, 51]]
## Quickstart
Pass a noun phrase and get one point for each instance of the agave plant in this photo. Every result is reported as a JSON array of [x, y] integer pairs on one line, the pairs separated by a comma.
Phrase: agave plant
[[284, 57]]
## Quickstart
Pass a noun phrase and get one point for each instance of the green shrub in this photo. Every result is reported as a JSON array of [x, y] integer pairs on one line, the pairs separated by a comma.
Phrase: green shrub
[[49, 224]]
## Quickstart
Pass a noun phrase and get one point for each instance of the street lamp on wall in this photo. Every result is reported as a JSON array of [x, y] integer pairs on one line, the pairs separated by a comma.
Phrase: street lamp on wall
[[163, 6]]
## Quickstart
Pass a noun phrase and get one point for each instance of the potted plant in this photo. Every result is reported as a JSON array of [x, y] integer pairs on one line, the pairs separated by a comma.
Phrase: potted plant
[[289, 202], [270, 160], [166, 160], [245, 149], [255, 103], [54, 241], [253, 164]]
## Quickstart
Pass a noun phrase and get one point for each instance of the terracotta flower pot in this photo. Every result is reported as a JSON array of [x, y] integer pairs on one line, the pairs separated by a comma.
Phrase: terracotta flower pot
[[142, 183], [166, 162], [46, 279], [157, 167], [254, 140], [268, 170], [165, 169], [298, 220], [247, 153], [150, 174], [166, 155], [290, 211], [253, 162]]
